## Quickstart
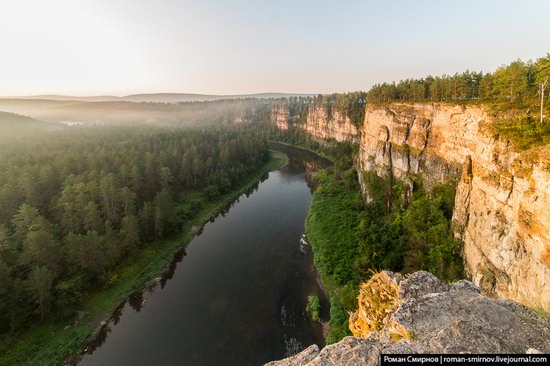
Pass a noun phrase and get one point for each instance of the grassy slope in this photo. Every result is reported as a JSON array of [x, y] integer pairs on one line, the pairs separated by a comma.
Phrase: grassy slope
[[49, 343], [304, 147], [331, 229]]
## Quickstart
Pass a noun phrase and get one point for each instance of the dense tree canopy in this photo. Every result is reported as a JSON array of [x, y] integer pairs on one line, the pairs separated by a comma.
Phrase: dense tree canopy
[[516, 81], [77, 200]]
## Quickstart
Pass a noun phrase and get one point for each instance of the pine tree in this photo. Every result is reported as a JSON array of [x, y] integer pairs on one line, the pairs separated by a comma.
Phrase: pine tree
[[5, 278], [129, 232], [163, 212], [92, 217], [147, 219], [41, 249], [40, 284], [26, 215]]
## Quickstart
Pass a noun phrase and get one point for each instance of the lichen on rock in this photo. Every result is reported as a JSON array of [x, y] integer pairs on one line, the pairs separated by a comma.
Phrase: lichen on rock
[[376, 299]]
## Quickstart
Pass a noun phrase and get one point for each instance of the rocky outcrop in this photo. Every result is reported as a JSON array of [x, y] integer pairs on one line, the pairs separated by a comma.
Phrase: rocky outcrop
[[350, 352], [321, 122], [502, 208], [335, 124], [280, 117], [427, 139], [438, 318]]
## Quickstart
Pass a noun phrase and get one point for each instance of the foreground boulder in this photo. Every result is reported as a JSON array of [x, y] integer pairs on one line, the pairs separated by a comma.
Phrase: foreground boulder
[[421, 314]]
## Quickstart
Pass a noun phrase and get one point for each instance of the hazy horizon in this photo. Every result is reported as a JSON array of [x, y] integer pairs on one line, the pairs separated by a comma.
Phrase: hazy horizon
[[93, 48], [77, 95]]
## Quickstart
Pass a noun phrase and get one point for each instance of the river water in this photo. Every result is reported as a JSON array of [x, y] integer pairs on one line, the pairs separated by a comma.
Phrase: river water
[[236, 295]]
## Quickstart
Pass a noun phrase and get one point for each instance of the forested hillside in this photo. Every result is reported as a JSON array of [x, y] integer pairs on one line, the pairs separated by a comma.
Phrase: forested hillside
[[14, 127], [77, 201], [184, 114], [514, 82]]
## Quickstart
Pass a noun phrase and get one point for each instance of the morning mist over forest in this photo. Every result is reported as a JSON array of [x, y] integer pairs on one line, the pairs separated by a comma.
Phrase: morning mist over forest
[[274, 183]]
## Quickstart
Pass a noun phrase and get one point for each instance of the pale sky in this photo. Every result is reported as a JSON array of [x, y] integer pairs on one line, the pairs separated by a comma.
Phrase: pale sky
[[90, 47]]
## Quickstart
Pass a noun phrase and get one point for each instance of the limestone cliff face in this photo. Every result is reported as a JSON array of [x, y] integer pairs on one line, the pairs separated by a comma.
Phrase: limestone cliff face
[[433, 140], [319, 122], [280, 116], [337, 126], [502, 208]]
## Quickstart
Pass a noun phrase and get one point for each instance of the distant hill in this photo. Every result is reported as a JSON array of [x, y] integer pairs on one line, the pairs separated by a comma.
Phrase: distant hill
[[74, 112], [66, 98], [156, 97], [13, 119], [15, 126]]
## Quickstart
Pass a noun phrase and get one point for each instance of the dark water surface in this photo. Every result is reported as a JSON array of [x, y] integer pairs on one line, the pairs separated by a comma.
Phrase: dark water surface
[[237, 294]]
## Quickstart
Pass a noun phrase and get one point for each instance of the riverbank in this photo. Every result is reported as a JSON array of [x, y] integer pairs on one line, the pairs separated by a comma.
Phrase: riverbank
[[331, 227], [54, 340], [305, 148]]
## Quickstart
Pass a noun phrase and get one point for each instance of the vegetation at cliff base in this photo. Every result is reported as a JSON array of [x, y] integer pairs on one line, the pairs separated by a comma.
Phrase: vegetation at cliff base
[[405, 228], [313, 307], [331, 229]]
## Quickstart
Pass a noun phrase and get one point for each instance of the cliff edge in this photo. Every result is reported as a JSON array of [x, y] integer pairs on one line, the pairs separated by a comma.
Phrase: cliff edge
[[502, 204], [421, 314]]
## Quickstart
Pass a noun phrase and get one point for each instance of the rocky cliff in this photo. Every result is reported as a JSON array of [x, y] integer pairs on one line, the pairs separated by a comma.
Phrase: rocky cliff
[[502, 208], [424, 315], [321, 122], [280, 116]]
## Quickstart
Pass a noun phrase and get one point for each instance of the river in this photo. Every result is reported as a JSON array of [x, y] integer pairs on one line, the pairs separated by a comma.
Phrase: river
[[236, 295]]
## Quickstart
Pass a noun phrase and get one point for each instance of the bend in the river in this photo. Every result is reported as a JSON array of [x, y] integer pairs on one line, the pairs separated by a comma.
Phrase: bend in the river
[[236, 295]]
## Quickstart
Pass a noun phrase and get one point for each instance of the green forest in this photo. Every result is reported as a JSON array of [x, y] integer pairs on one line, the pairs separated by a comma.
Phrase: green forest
[[516, 82], [352, 239], [405, 228], [76, 202]]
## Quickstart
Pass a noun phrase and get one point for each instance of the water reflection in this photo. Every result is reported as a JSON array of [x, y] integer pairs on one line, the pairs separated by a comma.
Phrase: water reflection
[[239, 296], [100, 334], [135, 300], [168, 273], [302, 161]]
